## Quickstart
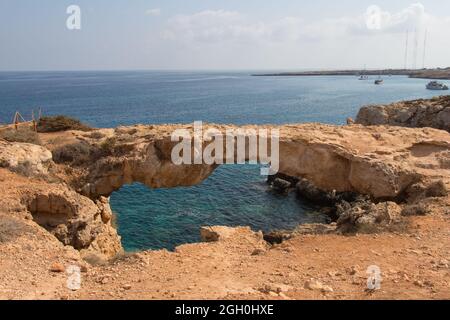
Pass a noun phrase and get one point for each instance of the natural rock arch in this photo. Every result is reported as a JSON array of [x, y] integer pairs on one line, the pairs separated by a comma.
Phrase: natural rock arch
[[353, 158]]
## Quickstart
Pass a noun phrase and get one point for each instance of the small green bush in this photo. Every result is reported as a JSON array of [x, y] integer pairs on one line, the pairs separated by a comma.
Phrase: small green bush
[[60, 123]]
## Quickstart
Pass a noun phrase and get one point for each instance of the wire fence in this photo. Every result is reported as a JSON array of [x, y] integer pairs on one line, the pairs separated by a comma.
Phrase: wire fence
[[19, 121]]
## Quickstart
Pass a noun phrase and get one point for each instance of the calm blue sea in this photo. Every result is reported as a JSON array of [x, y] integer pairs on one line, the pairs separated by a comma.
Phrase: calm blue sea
[[233, 195]]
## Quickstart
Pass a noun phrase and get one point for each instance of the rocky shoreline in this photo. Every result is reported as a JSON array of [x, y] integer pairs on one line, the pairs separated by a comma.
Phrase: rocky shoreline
[[350, 212], [55, 210]]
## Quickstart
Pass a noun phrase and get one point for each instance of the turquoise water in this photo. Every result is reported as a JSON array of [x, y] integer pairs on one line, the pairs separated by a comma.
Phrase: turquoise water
[[233, 195]]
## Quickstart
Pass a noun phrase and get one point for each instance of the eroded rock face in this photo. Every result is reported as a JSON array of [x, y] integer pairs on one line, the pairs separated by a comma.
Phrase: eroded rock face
[[75, 220], [377, 161], [434, 113]]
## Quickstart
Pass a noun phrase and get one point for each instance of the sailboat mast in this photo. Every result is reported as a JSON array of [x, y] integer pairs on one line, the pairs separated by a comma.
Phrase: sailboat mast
[[406, 49], [416, 47], [424, 48]]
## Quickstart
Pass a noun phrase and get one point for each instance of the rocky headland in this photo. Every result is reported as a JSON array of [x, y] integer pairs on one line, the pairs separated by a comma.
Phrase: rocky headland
[[434, 113], [386, 187]]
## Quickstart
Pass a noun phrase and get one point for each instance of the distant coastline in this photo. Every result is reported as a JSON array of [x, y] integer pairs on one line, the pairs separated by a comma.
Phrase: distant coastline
[[437, 73]]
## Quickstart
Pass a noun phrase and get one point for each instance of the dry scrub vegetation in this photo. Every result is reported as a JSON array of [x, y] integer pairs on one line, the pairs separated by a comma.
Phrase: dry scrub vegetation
[[23, 134], [61, 123]]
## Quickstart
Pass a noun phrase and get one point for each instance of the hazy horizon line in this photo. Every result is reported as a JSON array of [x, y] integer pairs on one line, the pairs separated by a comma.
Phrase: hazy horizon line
[[217, 70]]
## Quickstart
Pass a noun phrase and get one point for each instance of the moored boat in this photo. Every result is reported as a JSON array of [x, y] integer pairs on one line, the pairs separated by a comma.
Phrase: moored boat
[[436, 85]]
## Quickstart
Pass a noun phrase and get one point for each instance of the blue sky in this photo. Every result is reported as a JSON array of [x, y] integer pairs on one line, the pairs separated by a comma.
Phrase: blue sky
[[226, 34]]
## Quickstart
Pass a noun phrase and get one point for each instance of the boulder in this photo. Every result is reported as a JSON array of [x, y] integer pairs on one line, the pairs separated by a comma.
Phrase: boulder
[[222, 234], [280, 185], [366, 217], [26, 159]]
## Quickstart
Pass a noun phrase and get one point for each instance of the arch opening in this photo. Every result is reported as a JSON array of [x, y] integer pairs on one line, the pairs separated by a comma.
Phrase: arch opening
[[233, 195]]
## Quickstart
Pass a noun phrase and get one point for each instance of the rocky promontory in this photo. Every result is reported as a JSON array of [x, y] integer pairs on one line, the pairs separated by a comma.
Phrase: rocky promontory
[[433, 113]]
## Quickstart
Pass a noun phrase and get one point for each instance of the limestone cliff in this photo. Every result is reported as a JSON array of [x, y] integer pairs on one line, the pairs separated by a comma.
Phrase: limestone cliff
[[433, 113]]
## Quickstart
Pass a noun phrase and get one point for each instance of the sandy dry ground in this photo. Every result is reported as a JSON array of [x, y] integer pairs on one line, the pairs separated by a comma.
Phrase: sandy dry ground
[[413, 266]]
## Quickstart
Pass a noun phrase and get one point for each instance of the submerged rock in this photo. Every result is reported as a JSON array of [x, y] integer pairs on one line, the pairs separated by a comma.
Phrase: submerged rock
[[307, 190], [281, 186]]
